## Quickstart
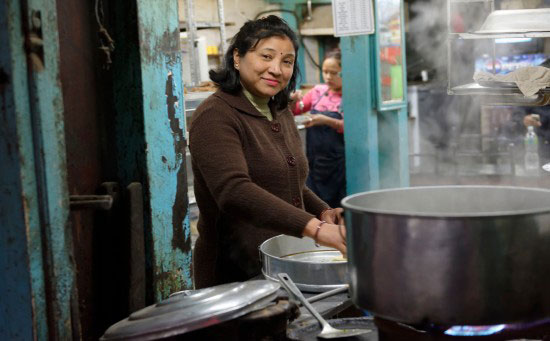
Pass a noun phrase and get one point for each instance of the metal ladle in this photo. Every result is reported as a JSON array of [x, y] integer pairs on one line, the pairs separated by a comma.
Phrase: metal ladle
[[327, 331]]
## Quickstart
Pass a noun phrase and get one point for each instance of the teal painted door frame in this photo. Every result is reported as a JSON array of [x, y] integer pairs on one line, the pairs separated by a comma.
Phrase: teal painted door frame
[[151, 141], [294, 24], [38, 279], [40, 299], [376, 135], [165, 141]]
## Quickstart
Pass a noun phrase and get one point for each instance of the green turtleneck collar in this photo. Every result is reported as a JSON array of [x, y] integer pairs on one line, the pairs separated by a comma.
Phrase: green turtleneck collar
[[260, 103]]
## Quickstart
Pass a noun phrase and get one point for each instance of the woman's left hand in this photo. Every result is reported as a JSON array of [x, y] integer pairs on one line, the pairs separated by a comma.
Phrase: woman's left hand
[[317, 120], [334, 216]]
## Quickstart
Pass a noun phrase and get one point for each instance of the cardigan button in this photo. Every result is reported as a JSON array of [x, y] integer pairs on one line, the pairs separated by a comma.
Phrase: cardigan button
[[291, 160], [297, 202], [276, 127]]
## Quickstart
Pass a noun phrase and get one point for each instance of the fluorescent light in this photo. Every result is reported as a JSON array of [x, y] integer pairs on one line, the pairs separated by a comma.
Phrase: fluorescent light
[[512, 40]]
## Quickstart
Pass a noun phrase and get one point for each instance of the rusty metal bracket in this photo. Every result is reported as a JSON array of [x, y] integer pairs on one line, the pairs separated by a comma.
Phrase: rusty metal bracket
[[96, 202]]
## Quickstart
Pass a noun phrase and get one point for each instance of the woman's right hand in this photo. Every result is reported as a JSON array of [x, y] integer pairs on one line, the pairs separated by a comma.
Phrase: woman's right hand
[[330, 235], [532, 120], [296, 95]]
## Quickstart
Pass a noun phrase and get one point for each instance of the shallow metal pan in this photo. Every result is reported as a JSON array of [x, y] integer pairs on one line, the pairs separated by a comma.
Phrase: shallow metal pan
[[312, 268]]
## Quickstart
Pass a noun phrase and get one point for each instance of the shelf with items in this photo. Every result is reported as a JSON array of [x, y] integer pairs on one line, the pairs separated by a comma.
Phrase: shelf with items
[[203, 25], [191, 27], [497, 26]]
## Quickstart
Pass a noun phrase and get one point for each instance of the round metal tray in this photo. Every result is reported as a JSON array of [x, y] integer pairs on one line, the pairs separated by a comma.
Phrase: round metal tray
[[312, 268]]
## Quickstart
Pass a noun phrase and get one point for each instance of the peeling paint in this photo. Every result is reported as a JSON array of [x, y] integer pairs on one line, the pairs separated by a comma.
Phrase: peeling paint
[[181, 203], [164, 123], [24, 309]]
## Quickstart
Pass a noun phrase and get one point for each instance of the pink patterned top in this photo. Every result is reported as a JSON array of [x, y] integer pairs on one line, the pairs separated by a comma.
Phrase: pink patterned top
[[320, 98]]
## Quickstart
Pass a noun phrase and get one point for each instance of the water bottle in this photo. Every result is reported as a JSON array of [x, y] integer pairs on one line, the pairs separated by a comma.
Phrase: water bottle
[[531, 152]]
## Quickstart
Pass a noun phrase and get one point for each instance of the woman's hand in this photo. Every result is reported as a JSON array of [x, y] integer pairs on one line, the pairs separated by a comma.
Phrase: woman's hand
[[317, 120], [327, 234], [323, 120], [334, 216], [296, 95]]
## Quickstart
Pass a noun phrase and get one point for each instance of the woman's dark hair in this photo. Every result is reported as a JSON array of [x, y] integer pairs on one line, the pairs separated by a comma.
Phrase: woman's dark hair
[[250, 34], [334, 54]]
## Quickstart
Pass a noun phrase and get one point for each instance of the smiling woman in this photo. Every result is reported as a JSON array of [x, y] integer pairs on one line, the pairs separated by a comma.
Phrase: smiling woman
[[248, 164], [267, 69]]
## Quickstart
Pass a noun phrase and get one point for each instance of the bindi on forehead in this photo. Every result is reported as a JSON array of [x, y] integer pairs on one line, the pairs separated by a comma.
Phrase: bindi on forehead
[[283, 53]]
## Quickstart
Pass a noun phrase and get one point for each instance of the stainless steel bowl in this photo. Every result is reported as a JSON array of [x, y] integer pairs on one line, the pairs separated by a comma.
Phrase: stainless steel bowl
[[312, 268], [450, 255]]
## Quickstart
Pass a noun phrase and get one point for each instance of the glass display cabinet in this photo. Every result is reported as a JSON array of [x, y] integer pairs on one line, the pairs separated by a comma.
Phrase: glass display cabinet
[[390, 61], [482, 38]]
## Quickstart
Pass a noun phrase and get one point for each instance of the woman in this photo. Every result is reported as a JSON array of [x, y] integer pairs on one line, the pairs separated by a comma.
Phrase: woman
[[324, 137], [247, 159]]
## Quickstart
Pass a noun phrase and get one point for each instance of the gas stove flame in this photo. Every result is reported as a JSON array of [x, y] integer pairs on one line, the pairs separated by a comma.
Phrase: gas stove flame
[[474, 330]]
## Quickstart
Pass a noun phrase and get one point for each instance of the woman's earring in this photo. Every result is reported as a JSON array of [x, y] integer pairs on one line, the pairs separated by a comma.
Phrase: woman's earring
[[237, 66]]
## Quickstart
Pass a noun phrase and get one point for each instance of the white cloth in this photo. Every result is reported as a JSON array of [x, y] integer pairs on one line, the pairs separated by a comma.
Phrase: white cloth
[[528, 79]]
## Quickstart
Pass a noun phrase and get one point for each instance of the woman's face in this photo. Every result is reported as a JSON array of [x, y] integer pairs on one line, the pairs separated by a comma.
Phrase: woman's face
[[267, 68], [331, 74]]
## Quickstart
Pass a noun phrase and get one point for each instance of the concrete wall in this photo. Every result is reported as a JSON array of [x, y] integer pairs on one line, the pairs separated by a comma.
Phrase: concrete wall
[[237, 12]]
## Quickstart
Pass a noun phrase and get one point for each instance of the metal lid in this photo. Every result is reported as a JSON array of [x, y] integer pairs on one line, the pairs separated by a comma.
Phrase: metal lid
[[190, 310]]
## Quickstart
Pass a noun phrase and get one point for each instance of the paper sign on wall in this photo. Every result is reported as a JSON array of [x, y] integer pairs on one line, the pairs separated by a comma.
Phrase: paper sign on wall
[[352, 17]]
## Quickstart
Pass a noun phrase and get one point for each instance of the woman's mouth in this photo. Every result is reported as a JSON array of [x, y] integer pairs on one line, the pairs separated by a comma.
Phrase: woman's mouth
[[271, 82]]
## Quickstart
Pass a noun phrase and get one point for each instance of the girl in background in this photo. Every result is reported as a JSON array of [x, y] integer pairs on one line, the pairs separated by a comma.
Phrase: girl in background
[[324, 137]]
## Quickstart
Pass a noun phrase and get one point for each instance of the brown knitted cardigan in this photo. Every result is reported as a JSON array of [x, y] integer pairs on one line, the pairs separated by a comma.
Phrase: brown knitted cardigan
[[249, 182]]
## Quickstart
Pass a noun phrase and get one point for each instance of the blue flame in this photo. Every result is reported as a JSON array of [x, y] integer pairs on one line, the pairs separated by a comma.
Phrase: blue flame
[[474, 330]]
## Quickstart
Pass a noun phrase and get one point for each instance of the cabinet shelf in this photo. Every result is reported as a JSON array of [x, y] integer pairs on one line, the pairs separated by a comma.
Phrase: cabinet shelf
[[501, 24], [503, 95], [467, 36], [462, 1]]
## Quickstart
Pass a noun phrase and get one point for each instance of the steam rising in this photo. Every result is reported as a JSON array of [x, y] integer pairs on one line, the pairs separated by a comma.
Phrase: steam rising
[[456, 135]]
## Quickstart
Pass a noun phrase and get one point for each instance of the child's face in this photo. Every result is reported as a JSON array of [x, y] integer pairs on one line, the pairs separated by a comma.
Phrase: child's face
[[331, 74]]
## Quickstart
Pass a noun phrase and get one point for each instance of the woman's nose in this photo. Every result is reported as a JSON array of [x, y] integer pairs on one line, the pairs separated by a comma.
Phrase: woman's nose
[[275, 68]]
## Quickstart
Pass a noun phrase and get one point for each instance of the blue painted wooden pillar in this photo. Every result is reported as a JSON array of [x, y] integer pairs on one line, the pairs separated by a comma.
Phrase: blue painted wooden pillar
[[392, 110], [376, 132], [150, 130], [165, 140], [361, 120], [289, 5], [38, 280], [393, 146]]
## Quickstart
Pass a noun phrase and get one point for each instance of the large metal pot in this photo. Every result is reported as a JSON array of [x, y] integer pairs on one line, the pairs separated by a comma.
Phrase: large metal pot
[[451, 255]]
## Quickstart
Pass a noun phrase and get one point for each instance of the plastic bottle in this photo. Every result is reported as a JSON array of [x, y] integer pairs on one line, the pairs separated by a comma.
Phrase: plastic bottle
[[531, 152]]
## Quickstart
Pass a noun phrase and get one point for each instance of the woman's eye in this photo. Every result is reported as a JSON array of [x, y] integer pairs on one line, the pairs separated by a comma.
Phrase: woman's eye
[[266, 56], [289, 62]]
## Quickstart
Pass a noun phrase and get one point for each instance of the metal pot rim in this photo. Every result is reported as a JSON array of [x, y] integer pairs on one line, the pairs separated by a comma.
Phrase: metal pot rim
[[356, 208], [263, 251]]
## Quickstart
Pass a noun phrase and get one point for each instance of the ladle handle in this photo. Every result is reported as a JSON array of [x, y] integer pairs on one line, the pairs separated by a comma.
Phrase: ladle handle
[[292, 288]]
